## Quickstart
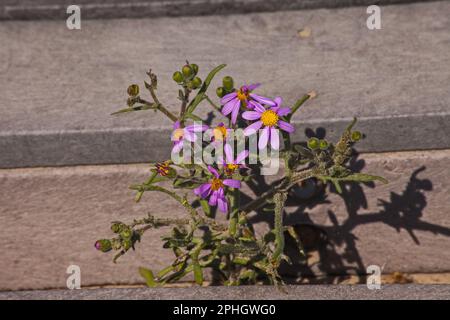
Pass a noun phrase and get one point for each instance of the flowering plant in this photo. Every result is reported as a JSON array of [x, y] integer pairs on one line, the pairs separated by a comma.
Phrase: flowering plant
[[216, 233]]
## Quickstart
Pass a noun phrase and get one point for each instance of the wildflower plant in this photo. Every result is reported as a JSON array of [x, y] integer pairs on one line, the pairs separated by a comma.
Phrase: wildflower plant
[[229, 246]]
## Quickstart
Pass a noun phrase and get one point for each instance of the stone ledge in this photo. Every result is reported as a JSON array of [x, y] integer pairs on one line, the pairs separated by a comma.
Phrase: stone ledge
[[108, 9], [51, 218], [301, 292], [392, 79]]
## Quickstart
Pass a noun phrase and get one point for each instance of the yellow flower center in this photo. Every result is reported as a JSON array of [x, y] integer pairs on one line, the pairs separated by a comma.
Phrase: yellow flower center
[[216, 184], [230, 168], [242, 95], [178, 134], [220, 133], [269, 118]]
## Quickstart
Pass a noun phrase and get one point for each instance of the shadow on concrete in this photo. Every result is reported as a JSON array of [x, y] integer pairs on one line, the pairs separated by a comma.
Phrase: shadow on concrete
[[332, 250]]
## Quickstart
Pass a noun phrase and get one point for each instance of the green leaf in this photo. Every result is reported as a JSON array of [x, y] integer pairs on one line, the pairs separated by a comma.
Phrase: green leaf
[[206, 207], [147, 274], [362, 177], [201, 93], [132, 109]]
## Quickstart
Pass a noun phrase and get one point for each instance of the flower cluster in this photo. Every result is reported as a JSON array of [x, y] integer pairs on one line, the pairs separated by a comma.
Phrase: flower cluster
[[236, 253]]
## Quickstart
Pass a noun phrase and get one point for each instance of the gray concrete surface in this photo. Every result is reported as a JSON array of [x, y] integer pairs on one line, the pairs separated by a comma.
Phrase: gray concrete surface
[[58, 87], [51, 217], [303, 292], [91, 9]]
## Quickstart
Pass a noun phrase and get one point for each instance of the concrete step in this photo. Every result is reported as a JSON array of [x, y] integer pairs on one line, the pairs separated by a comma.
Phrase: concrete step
[[107, 9], [303, 292], [51, 217], [59, 86]]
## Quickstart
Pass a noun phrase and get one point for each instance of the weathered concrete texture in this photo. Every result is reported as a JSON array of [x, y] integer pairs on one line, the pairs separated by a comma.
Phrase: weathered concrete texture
[[51, 217], [106, 9], [302, 292], [393, 79]]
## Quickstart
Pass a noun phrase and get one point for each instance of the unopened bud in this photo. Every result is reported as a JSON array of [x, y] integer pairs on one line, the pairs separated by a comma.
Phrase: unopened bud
[[323, 144], [356, 136], [187, 71], [127, 244], [177, 77], [116, 227], [313, 143], [133, 90], [104, 245], [194, 67], [228, 83], [196, 82], [220, 92], [126, 233]]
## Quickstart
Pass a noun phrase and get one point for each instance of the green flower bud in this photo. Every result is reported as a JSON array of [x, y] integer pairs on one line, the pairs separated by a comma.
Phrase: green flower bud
[[228, 83], [194, 67], [313, 143], [104, 245], [196, 82], [126, 234], [220, 92], [323, 144], [187, 71], [177, 77], [133, 90], [127, 244], [356, 136], [116, 227]]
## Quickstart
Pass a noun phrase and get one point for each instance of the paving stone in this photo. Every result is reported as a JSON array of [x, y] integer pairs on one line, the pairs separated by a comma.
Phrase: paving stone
[[51, 217], [59, 86], [106, 9], [302, 292]]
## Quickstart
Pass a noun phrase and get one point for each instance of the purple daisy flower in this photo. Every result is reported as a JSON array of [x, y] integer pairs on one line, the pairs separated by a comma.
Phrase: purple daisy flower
[[231, 164], [243, 97], [188, 133], [270, 119], [220, 133], [215, 190]]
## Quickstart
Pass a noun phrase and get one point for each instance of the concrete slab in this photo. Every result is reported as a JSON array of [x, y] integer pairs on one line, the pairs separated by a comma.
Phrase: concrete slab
[[51, 217], [303, 292], [58, 86], [107, 9]]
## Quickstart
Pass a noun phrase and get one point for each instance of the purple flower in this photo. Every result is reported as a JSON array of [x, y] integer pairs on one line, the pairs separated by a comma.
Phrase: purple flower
[[215, 190], [243, 97], [188, 133], [229, 163], [270, 119]]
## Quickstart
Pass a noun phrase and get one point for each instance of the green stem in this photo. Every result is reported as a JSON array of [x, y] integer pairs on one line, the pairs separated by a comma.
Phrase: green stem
[[280, 199], [297, 105]]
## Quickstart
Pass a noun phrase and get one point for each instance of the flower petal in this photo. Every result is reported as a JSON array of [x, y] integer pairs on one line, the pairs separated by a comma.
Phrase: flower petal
[[256, 106], [232, 183], [253, 86], [190, 136], [228, 107], [203, 191], [197, 128], [263, 138], [177, 146], [228, 97], [235, 112], [213, 171], [213, 199], [262, 100], [251, 115], [274, 138], [278, 101], [228, 153], [176, 124], [284, 111], [223, 205], [283, 125], [241, 156], [251, 129]]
